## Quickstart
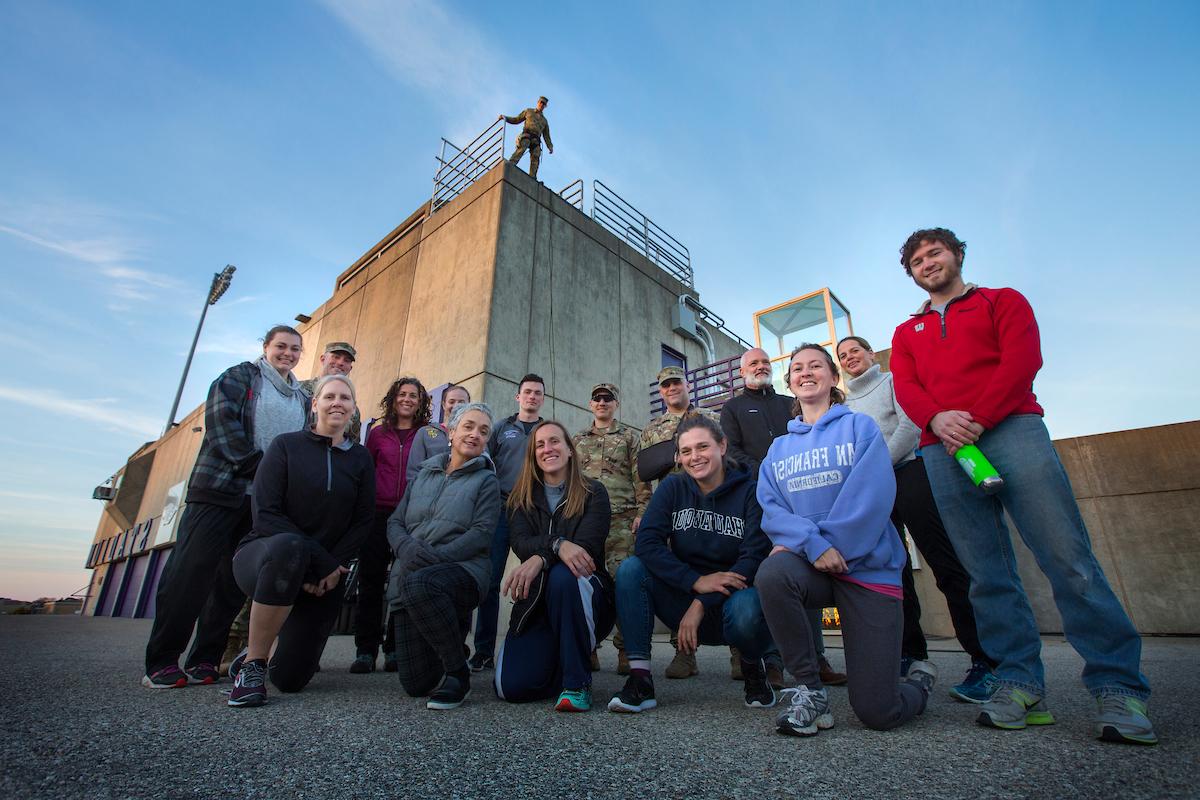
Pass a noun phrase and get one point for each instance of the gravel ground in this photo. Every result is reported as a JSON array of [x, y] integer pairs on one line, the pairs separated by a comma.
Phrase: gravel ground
[[78, 724]]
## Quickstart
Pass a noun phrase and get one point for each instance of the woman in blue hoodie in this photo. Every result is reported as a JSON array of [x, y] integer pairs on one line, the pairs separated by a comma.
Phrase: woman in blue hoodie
[[698, 548], [826, 490]]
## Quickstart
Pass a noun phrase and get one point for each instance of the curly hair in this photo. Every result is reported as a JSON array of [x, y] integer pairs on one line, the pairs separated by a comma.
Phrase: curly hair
[[943, 235], [387, 406], [836, 395]]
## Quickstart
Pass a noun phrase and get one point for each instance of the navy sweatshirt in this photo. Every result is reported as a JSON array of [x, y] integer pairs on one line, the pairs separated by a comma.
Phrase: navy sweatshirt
[[686, 534], [306, 485]]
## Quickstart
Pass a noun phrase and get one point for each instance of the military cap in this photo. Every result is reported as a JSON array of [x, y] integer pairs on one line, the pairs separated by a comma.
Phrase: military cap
[[670, 373], [611, 388], [341, 347]]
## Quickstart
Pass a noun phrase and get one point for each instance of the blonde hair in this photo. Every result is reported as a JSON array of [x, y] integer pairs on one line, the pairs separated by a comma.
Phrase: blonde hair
[[577, 489]]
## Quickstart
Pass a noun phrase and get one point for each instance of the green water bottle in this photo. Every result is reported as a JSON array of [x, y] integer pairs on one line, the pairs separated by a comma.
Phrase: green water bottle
[[979, 469]]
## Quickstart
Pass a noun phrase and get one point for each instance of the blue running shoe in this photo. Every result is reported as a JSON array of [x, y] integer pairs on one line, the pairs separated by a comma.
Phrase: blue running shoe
[[574, 700], [978, 686]]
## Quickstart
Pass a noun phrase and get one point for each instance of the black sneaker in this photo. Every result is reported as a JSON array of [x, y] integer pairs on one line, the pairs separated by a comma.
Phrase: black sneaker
[[362, 664], [759, 693], [479, 662], [389, 662], [450, 694], [204, 674], [635, 697], [250, 685]]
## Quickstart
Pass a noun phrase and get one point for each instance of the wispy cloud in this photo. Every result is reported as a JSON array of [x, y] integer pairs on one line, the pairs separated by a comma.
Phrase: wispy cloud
[[99, 250], [102, 411]]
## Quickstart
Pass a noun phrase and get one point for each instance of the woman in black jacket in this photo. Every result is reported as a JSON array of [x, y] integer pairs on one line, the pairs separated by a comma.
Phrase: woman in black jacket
[[558, 521], [314, 497]]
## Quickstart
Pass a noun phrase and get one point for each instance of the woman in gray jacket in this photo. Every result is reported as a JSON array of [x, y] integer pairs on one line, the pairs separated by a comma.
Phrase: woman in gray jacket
[[441, 535]]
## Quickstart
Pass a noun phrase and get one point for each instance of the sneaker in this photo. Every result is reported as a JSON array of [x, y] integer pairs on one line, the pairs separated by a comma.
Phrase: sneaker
[[574, 700], [389, 662], [204, 674], [759, 693], [480, 662], [362, 664], [235, 666], [595, 665], [622, 662], [906, 663], [735, 665], [775, 675], [1011, 709], [1121, 718], [978, 686], [637, 695], [232, 648], [807, 712], [171, 677], [449, 694], [250, 685], [830, 677], [682, 666], [923, 675]]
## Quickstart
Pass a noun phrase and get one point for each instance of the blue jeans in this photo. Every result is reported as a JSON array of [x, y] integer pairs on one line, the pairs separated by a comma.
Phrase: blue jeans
[[1037, 496], [489, 610], [641, 597]]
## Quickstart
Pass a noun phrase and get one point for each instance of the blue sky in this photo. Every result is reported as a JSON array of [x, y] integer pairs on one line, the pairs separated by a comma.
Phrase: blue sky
[[789, 145]]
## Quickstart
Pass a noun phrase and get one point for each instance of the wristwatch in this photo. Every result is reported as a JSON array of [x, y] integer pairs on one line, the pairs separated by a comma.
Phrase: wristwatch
[[557, 544]]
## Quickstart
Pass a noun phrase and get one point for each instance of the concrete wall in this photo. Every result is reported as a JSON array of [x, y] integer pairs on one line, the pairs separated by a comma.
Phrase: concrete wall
[[1139, 494], [576, 305]]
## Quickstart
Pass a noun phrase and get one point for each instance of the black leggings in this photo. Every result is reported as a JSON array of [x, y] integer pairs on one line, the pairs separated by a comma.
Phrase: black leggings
[[272, 571]]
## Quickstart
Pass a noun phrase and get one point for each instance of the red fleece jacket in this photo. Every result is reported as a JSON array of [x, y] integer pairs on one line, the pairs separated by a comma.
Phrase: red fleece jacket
[[981, 357]]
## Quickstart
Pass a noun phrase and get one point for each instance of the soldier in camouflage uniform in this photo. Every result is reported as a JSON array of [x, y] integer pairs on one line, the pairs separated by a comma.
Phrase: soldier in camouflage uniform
[[676, 394], [338, 359], [530, 138], [607, 452]]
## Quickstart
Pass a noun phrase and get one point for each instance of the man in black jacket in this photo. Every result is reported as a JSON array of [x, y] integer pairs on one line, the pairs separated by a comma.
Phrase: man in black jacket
[[751, 421]]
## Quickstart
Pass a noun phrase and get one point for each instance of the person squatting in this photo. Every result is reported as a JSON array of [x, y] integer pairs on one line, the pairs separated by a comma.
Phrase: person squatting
[[732, 531]]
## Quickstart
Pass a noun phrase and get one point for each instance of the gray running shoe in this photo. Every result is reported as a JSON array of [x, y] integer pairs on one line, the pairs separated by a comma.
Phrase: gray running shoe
[[923, 675], [1121, 718], [807, 712], [1011, 709]]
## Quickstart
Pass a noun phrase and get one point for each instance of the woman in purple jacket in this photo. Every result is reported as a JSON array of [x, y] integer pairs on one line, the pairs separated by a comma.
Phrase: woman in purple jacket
[[403, 439]]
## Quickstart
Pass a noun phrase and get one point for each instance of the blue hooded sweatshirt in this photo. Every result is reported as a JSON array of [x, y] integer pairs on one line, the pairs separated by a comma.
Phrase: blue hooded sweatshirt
[[831, 485], [686, 534]]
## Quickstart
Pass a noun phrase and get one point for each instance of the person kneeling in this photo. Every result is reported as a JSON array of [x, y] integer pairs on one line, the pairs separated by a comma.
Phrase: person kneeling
[[441, 534], [312, 503], [558, 521], [826, 489], [697, 549]]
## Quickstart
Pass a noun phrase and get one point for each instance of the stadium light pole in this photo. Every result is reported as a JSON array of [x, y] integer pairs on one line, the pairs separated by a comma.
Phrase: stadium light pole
[[220, 284]]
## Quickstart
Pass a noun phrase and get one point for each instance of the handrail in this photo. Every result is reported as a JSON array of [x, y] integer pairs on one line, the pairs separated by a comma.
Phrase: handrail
[[461, 167], [573, 193], [711, 385], [622, 218]]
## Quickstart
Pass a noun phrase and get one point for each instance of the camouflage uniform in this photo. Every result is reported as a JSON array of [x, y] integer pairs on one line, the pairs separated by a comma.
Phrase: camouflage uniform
[[662, 429], [609, 455], [530, 138]]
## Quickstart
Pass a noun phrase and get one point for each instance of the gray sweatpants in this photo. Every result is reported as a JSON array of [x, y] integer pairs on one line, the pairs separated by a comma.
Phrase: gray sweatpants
[[872, 628]]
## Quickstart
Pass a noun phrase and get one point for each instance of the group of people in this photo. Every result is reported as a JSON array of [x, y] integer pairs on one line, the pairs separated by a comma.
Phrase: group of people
[[733, 530]]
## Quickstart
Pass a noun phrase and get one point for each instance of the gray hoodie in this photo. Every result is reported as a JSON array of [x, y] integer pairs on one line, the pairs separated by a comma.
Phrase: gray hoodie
[[873, 394], [445, 518]]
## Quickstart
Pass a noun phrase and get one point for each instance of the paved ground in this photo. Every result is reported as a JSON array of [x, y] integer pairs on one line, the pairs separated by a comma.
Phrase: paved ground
[[78, 724]]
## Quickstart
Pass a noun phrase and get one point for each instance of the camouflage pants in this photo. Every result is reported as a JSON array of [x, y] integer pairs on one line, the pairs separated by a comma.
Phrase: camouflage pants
[[534, 146], [618, 547]]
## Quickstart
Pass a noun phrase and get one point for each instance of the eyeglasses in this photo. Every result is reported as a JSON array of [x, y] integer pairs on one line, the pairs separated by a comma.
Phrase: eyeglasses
[[603, 398]]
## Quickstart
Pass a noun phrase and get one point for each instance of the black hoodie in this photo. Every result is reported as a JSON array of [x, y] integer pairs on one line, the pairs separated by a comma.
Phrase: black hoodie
[[753, 420], [686, 534]]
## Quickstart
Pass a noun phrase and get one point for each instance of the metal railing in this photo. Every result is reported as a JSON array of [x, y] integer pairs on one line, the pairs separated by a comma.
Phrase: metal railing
[[712, 385], [642, 233], [459, 167], [573, 193]]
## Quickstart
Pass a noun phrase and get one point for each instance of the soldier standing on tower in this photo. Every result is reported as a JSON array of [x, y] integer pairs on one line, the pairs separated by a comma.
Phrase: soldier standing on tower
[[536, 127]]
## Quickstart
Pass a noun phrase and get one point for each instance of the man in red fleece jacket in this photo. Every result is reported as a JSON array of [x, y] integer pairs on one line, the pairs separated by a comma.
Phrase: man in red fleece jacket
[[963, 367]]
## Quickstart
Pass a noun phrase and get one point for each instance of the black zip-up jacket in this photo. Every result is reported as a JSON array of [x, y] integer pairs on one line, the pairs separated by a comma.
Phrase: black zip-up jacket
[[307, 485], [532, 533], [753, 420]]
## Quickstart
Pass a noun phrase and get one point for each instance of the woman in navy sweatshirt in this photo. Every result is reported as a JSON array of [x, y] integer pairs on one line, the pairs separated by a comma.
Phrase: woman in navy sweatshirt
[[558, 521], [313, 500], [698, 548], [826, 490]]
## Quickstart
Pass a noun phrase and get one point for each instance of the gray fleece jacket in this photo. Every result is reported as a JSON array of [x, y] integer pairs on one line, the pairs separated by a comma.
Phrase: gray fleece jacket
[[873, 394], [445, 518]]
